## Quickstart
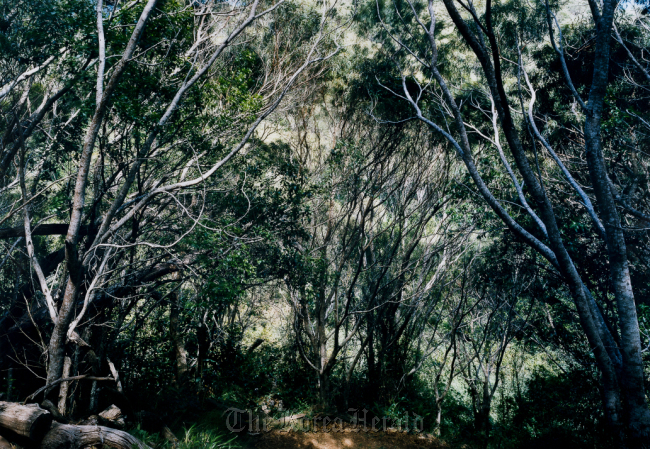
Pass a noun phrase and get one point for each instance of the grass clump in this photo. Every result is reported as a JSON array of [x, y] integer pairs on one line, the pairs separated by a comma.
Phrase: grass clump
[[194, 437]]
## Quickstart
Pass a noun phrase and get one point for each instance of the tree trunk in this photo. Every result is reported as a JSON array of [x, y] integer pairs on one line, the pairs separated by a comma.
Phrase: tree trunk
[[437, 430], [10, 379], [324, 389], [178, 342], [29, 421], [56, 348], [203, 339], [92, 403], [63, 392], [606, 356], [64, 436], [486, 405], [636, 413]]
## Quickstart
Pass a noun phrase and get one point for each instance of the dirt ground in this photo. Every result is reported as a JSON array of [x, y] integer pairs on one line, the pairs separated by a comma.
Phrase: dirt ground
[[343, 440]]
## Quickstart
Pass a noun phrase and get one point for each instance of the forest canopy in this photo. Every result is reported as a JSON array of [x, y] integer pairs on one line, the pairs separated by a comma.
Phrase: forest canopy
[[435, 209]]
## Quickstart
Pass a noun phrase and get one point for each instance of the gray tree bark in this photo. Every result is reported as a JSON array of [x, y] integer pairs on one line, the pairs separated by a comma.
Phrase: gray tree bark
[[58, 340], [632, 377], [621, 367], [29, 421], [64, 436]]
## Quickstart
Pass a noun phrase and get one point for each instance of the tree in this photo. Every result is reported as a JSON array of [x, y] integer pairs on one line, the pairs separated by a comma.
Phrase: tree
[[494, 319], [381, 237], [493, 38], [158, 97]]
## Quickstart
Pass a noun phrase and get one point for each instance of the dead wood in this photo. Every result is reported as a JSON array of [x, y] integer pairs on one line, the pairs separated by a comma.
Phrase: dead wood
[[112, 417], [29, 421], [65, 436]]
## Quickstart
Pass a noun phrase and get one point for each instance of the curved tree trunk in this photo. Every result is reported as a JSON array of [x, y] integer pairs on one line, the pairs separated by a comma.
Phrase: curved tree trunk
[[64, 436], [632, 385]]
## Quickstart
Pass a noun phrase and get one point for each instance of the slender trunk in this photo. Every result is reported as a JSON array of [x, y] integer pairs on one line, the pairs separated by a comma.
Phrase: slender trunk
[[606, 356], [437, 430], [350, 371], [486, 405], [372, 365], [75, 370], [324, 389], [346, 393], [116, 375], [58, 340], [203, 337], [56, 348], [632, 386], [63, 392], [10, 379], [632, 378], [180, 353], [92, 406], [323, 358]]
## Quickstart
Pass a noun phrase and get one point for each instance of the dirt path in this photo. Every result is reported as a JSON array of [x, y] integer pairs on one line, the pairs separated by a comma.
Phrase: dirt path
[[343, 440]]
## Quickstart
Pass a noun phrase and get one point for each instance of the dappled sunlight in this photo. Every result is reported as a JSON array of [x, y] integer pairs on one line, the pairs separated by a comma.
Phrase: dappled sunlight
[[321, 224], [343, 440]]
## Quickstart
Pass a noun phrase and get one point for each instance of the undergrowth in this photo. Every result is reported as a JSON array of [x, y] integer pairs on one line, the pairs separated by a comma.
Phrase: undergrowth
[[193, 437]]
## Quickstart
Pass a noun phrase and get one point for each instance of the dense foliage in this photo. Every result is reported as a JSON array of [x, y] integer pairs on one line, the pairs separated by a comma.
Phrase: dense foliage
[[435, 208]]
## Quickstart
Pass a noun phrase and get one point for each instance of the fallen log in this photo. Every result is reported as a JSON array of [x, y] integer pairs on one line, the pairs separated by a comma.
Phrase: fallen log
[[92, 420], [66, 436], [112, 417], [32, 422], [29, 421]]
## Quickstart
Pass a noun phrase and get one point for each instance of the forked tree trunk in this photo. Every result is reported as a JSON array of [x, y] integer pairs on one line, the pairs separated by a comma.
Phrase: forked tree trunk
[[56, 347]]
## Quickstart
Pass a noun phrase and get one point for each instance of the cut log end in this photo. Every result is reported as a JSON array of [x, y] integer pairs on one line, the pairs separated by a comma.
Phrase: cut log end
[[29, 420], [65, 436], [32, 422]]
